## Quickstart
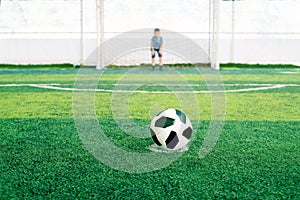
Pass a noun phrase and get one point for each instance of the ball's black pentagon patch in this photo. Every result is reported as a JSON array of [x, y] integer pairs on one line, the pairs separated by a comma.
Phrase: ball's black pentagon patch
[[164, 122], [153, 135], [187, 133], [181, 116], [172, 140]]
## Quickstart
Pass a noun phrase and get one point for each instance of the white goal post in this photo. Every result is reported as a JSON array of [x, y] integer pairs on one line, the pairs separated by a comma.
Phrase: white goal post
[[100, 33], [215, 32]]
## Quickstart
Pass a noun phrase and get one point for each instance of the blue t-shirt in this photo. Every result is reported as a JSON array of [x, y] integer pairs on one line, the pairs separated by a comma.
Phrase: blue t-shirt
[[156, 42]]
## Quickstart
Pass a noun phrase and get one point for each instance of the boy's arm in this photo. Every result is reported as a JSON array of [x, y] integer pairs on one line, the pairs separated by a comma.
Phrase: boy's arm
[[152, 47], [151, 44], [161, 45]]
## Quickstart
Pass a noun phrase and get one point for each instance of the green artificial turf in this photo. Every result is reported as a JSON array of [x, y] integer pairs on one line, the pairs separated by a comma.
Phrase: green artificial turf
[[41, 66], [258, 66], [256, 157], [253, 160]]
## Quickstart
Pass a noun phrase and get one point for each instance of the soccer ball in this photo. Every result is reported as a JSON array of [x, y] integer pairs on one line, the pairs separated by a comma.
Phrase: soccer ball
[[171, 129]]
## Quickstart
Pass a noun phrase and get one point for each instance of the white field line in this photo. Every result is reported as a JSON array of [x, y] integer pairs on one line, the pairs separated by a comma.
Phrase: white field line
[[174, 84], [55, 87], [145, 84]]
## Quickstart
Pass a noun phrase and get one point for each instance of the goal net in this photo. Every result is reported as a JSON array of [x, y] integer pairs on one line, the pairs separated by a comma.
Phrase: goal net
[[186, 26]]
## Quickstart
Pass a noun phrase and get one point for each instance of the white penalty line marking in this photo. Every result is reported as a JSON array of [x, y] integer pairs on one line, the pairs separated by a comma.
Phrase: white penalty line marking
[[55, 87], [146, 84]]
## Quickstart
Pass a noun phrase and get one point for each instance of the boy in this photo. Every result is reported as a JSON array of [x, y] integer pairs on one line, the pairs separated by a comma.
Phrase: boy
[[156, 46]]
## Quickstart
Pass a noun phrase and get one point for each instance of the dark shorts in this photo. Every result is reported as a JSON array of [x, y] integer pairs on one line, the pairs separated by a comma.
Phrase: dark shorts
[[159, 54]]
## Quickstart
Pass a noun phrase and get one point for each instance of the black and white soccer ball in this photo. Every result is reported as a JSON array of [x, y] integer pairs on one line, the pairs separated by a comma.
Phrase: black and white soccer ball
[[171, 129]]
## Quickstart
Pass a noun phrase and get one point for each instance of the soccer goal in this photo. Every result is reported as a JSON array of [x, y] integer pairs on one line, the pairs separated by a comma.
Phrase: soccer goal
[[187, 28]]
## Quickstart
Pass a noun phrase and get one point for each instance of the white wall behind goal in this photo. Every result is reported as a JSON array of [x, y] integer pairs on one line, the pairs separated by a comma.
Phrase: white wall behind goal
[[67, 50]]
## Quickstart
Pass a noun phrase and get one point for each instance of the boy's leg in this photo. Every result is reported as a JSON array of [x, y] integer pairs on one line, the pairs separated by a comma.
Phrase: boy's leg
[[153, 63], [153, 59], [160, 59]]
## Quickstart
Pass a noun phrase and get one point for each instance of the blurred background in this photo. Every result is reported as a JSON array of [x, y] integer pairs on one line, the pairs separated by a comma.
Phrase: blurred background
[[65, 31]]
